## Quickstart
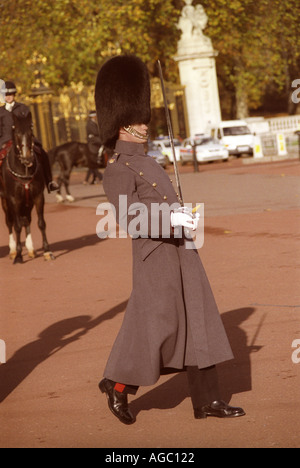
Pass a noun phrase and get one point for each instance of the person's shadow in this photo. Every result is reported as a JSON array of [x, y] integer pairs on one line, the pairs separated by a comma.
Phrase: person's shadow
[[234, 376], [50, 341]]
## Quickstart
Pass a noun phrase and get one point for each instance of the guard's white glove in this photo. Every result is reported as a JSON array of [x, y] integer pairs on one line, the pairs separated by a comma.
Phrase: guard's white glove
[[184, 217], [196, 220]]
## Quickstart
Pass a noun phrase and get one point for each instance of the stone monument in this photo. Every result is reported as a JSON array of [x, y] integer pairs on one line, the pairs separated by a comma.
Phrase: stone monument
[[197, 68]]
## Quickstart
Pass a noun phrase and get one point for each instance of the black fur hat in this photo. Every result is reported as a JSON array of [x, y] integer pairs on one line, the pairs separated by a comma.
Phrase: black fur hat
[[122, 96]]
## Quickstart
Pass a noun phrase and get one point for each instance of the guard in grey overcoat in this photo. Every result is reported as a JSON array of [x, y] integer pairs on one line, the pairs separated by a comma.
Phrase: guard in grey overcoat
[[172, 320]]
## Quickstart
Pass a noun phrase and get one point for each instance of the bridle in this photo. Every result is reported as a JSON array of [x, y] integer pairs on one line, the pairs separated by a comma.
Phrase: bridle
[[22, 158], [22, 176], [24, 179], [28, 163]]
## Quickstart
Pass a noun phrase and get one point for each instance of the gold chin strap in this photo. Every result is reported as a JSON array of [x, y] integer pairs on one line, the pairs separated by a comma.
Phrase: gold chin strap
[[132, 131]]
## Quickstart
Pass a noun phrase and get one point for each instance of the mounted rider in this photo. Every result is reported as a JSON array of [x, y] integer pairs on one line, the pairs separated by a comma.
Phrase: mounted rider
[[6, 132]]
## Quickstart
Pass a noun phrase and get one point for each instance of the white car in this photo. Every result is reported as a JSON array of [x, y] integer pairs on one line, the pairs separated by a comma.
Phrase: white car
[[155, 152], [166, 149], [235, 135], [207, 149]]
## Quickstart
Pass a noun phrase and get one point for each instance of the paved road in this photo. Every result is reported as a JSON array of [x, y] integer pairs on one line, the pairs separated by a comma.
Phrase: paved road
[[59, 320], [224, 188]]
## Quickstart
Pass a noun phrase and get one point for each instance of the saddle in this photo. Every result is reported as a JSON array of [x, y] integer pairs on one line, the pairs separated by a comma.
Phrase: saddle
[[4, 151]]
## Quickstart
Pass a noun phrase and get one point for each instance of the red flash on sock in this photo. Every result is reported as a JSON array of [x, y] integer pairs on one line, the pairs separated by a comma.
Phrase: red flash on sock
[[119, 387]]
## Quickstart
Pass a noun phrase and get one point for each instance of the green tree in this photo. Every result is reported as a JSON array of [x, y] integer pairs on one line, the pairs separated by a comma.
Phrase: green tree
[[258, 45], [77, 35], [257, 41]]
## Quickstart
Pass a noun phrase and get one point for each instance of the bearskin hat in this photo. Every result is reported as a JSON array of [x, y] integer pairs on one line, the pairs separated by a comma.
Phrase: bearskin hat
[[122, 96]]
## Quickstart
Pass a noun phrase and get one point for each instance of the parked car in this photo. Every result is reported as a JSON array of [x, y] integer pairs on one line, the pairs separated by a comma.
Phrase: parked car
[[155, 152], [235, 135], [207, 149], [165, 146]]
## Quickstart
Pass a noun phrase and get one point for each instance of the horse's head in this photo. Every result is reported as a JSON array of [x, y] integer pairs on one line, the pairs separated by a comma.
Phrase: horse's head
[[23, 136]]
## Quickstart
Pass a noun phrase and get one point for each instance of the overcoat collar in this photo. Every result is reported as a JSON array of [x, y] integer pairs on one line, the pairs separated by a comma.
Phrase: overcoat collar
[[129, 148]]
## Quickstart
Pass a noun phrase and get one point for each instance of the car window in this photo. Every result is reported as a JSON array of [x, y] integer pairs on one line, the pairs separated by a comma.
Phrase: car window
[[238, 130], [208, 141], [152, 146], [168, 144]]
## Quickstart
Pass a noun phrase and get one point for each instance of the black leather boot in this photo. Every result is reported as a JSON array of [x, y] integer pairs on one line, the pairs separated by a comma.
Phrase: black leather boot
[[52, 186], [218, 409], [117, 402]]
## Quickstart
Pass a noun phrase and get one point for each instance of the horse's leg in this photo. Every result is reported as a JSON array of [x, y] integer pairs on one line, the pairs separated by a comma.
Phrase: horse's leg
[[18, 229], [39, 204], [68, 166], [28, 243], [12, 246], [67, 174], [63, 180], [25, 220], [69, 197], [58, 195], [9, 223]]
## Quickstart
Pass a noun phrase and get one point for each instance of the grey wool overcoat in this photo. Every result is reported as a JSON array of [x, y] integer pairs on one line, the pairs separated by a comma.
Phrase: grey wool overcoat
[[172, 320]]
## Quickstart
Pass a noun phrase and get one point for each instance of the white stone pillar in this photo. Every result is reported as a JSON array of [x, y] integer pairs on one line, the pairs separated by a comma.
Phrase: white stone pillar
[[196, 61]]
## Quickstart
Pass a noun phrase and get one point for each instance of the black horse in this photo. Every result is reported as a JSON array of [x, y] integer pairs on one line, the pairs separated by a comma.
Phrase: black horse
[[69, 155], [22, 188]]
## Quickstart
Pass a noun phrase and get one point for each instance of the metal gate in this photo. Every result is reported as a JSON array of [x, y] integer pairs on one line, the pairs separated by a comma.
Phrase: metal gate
[[61, 118]]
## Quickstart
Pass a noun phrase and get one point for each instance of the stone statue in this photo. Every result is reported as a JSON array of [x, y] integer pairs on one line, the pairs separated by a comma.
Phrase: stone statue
[[192, 22], [200, 20], [186, 20]]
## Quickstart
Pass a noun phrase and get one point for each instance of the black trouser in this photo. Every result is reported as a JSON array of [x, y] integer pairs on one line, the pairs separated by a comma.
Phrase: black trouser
[[203, 386]]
